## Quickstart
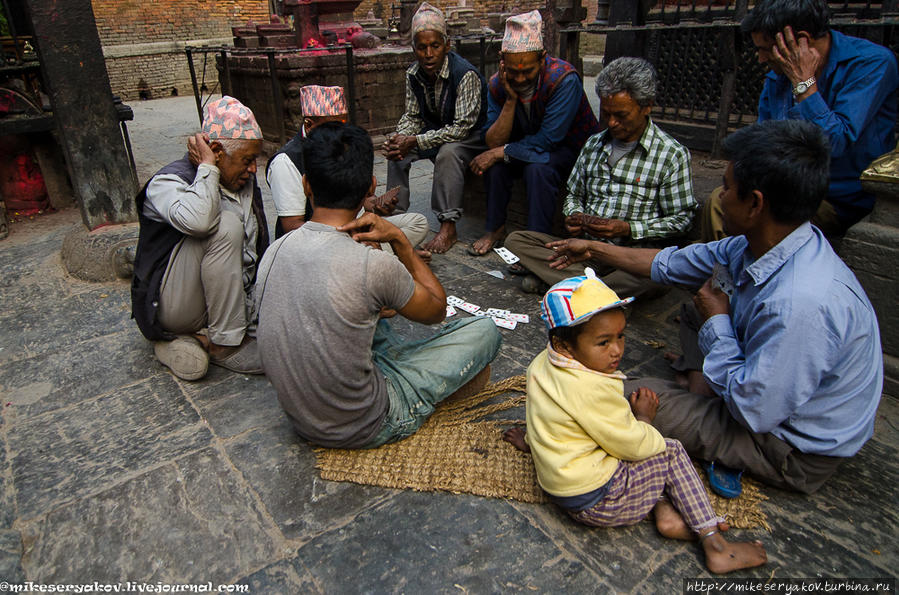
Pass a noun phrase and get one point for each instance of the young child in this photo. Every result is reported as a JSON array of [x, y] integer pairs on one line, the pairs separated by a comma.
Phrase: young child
[[596, 454]]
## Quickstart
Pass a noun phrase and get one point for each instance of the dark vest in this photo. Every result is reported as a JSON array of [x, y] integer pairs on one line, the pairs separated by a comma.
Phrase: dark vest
[[584, 124], [445, 110], [154, 247], [294, 151]]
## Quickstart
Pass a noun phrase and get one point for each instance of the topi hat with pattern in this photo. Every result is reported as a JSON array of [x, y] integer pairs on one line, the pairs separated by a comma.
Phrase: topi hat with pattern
[[575, 300], [524, 33], [322, 101], [229, 118], [428, 18]]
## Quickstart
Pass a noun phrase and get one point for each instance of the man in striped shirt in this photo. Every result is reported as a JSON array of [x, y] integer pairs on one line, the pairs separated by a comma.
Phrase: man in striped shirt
[[631, 185]]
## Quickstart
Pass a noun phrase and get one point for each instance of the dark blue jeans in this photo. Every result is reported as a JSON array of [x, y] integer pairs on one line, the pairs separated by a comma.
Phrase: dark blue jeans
[[542, 182]]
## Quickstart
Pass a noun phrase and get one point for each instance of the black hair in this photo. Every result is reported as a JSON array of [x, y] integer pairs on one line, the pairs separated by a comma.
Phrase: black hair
[[339, 160], [788, 161], [770, 17]]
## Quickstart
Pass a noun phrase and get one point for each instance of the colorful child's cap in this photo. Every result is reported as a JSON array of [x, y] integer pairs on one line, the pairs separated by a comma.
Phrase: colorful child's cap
[[322, 101], [428, 18], [229, 118], [524, 33], [575, 300]]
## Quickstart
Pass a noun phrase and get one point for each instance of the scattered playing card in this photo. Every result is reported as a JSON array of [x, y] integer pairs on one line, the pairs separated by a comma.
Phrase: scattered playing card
[[506, 255], [497, 274], [468, 307], [450, 311], [480, 313], [454, 301], [519, 317], [502, 322], [498, 312]]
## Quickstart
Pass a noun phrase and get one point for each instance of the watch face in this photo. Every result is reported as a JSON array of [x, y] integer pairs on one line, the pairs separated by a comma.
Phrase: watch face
[[801, 88]]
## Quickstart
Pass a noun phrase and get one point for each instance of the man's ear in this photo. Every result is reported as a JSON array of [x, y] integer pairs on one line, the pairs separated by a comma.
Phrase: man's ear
[[758, 204], [217, 148], [307, 124], [374, 185]]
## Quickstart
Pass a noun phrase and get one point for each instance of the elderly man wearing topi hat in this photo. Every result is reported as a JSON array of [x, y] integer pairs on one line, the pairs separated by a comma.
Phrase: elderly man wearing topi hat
[[446, 105], [538, 119], [202, 231], [285, 169]]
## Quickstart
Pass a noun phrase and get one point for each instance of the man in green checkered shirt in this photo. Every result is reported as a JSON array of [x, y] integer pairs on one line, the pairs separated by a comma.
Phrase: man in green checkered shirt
[[631, 185]]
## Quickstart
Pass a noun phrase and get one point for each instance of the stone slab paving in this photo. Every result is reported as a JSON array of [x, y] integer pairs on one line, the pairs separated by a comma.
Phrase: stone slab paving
[[113, 470]]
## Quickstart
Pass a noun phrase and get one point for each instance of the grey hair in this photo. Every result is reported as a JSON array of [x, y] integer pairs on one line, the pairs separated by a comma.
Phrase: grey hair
[[635, 76], [230, 144]]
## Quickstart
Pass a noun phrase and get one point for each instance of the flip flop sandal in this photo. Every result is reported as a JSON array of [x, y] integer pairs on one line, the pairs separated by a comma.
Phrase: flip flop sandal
[[725, 482], [517, 269]]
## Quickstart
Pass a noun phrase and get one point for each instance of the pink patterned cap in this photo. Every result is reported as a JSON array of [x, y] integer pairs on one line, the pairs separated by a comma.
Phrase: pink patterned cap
[[322, 101], [229, 118], [524, 33], [428, 18]]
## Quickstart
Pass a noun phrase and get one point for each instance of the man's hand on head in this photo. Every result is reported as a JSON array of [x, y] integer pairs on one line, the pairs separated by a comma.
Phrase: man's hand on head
[[511, 95], [711, 301], [371, 228], [797, 59], [199, 151]]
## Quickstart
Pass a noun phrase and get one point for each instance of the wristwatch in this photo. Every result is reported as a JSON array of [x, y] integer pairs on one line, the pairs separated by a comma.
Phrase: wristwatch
[[506, 158], [803, 86]]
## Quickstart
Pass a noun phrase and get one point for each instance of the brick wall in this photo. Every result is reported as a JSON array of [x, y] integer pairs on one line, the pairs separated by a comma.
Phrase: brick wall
[[143, 40], [381, 8]]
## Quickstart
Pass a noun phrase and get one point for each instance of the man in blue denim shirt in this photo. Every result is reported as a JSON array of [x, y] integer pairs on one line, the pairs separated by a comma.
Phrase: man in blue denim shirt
[[788, 348], [845, 85]]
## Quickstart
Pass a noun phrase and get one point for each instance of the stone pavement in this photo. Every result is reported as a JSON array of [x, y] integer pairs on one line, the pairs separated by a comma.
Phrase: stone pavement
[[113, 470]]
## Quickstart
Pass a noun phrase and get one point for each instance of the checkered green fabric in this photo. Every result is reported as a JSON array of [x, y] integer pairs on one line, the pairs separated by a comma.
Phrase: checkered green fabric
[[651, 187]]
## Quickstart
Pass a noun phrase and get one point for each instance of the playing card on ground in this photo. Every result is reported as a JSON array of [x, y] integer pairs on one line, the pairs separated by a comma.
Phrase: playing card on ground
[[506, 255], [450, 311], [519, 317], [498, 312], [502, 322], [468, 307], [454, 301]]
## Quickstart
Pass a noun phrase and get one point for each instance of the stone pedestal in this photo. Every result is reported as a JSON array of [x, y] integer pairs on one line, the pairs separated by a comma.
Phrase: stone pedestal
[[871, 249]]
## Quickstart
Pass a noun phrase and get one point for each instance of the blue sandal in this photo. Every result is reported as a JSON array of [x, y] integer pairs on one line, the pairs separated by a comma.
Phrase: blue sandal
[[725, 482]]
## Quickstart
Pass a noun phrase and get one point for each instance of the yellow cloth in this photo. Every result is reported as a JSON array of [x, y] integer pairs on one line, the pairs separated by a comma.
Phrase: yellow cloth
[[580, 425]]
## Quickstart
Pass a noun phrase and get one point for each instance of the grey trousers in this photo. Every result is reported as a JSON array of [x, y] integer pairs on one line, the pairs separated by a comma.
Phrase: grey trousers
[[530, 247], [450, 166], [709, 432], [203, 285], [413, 225]]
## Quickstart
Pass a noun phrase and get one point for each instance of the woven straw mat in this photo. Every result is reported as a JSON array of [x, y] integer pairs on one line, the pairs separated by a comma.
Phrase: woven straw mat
[[456, 451]]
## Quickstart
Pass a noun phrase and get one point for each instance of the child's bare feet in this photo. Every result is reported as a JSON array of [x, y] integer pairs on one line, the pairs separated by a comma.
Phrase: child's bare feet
[[671, 524], [515, 437], [722, 556]]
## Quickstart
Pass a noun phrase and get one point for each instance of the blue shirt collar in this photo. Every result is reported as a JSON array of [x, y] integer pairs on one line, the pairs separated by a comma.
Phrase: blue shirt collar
[[761, 270]]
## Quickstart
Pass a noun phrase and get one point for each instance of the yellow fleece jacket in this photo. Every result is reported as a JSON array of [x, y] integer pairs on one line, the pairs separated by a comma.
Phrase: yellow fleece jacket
[[580, 425]]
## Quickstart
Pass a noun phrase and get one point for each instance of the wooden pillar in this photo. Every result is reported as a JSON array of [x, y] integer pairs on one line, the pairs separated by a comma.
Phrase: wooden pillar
[[76, 80]]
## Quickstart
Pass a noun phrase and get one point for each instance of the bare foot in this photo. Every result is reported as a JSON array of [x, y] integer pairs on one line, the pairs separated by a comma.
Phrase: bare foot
[[444, 239], [486, 242], [515, 437], [696, 384], [722, 556], [670, 356], [671, 524], [425, 255]]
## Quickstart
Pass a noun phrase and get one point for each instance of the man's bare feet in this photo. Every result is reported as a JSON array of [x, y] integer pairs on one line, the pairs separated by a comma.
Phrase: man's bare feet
[[722, 556], [670, 356], [671, 524], [486, 242], [444, 239], [515, 437]]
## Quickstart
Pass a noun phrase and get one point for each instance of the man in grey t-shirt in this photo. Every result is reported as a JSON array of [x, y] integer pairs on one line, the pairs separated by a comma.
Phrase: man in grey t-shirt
[[343, 378]]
